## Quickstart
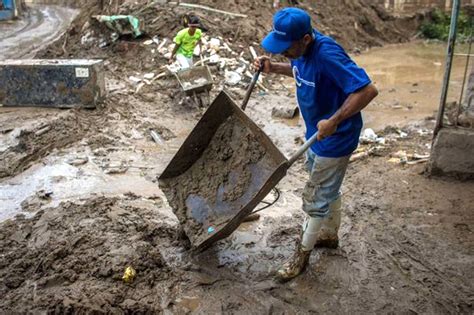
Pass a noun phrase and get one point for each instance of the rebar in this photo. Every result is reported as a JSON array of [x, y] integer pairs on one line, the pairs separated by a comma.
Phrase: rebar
[[458, 110], [449, 60]]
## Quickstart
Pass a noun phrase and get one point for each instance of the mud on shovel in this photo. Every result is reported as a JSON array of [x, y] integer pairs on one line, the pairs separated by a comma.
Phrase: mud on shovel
[[210, 219]]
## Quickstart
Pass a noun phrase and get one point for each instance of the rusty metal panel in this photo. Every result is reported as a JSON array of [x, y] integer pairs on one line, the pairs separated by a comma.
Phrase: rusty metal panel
[[209, 218]]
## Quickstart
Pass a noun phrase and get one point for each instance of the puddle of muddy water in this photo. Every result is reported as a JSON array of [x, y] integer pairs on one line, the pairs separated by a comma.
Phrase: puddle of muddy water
[[409, 78], [56, 176]]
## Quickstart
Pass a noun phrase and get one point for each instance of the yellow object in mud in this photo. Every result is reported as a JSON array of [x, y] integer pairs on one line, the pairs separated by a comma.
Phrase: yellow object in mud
[[129, 274]]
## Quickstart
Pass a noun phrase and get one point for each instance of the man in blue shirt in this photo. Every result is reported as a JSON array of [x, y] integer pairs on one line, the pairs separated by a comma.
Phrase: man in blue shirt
[[331, 91]]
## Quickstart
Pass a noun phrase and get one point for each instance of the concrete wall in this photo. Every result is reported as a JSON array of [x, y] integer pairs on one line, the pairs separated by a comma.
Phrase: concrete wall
[[453, 153]]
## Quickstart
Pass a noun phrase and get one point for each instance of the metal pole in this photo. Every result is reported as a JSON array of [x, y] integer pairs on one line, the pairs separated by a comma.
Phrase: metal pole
[[15, 9], [458, 111], [449, 60]]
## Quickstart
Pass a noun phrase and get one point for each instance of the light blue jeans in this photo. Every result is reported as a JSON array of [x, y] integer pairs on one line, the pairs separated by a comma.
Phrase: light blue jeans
[[324, 184]]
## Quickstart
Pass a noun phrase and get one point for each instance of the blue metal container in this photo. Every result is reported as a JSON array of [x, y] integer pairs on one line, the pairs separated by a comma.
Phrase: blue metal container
[[8, 11], [52, 83], [9, 4]]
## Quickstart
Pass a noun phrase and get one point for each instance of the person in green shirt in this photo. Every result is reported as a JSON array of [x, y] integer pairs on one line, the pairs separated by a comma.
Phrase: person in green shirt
[[185, 42]]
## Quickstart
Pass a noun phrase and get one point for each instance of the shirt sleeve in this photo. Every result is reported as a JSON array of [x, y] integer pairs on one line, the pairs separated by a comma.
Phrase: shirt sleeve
[[179, 37], [339, 67]]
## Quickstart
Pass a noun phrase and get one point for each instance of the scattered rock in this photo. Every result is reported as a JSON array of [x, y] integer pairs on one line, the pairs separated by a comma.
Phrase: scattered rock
[[285, 112]]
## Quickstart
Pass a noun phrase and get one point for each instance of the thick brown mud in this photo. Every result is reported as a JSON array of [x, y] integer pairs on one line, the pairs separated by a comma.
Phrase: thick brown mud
[[405, 246], [36, 134], [90, 205], [63, 257], [222, 175]]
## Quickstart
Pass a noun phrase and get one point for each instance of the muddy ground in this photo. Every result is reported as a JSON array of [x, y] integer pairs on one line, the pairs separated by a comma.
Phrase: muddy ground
[[80, 202], [39, 26], [406, 247]]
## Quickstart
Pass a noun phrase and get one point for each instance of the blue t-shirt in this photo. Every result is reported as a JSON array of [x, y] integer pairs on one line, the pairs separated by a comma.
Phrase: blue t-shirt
[[325, 76]]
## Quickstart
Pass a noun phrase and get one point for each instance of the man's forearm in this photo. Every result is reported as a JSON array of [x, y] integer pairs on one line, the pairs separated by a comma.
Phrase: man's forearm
[[175, 49], [282, 68], [355, 103]]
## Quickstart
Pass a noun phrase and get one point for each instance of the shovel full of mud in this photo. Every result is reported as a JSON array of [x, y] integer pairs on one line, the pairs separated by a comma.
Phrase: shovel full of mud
[[225, 167]]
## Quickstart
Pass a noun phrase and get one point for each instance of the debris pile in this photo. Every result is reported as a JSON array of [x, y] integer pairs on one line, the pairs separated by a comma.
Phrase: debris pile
[[234, 32], [373, 144]]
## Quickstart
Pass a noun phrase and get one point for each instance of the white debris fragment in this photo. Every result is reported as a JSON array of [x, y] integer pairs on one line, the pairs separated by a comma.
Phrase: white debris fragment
[[87, 38], [137, 135], [232, 77], [402, 134], [196, 83], [241, 69], [215, 44], [148, 42], [214, 58], [244, 61], [174, 67], [253, 52], [149, 76], [197, 50], [134, 79], [226, 46], [163, 43], [156, 137], [369, 136], [139, 87]]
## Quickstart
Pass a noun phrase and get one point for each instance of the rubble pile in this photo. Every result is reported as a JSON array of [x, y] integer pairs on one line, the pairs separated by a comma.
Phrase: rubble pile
[[234, 31]]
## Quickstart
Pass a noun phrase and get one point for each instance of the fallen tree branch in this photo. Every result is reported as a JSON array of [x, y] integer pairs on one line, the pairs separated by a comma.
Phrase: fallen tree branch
[[202, 7]]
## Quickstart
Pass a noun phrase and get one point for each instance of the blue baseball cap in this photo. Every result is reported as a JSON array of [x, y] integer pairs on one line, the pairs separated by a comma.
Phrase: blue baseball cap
[[289, 25]]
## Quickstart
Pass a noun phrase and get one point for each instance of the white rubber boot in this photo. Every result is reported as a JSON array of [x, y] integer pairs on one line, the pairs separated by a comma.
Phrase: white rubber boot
[[311, 230], [300, 258], [327, 236]]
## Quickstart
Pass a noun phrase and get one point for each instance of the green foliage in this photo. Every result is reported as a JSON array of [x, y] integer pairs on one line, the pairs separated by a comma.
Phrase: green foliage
[[438, 27]]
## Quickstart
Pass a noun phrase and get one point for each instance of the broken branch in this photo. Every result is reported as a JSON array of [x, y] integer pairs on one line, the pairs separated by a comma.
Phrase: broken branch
[[202, 7]]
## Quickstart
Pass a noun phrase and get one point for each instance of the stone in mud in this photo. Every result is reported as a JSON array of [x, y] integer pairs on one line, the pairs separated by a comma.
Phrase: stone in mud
[[452, 153], [285, 112]]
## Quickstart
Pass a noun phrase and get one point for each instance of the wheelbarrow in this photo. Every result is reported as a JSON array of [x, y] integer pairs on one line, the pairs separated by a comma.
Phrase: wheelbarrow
[[196, 82], [223, 170]]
